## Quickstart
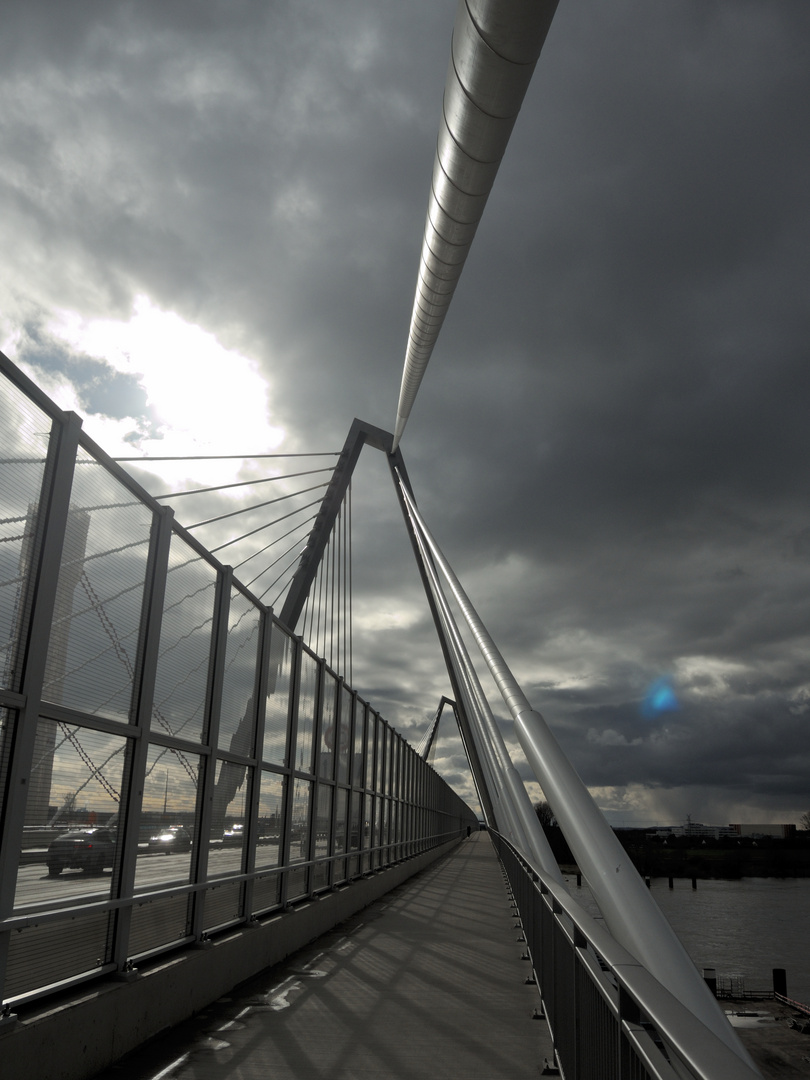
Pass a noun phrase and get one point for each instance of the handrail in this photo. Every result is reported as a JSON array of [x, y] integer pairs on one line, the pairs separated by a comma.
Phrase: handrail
[[797, 1005], [684, 1047], [631, 914]]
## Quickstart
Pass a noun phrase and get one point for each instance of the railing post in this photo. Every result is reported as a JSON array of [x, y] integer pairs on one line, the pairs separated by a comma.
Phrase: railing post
[[130, 814], [216, 670], [260, 684], [629, 1015], [41, 588]]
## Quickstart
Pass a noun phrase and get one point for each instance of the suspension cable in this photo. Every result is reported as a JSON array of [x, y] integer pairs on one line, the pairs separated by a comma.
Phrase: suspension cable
[[256, 506], [240, 483], [144, 460]]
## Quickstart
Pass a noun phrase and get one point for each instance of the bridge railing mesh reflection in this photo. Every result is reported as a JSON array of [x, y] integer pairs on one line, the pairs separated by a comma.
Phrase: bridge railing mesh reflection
[[173, 762]]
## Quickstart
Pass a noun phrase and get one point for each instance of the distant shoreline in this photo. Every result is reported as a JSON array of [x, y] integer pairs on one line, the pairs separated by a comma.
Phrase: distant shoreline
[[691, 857], [731, 864]]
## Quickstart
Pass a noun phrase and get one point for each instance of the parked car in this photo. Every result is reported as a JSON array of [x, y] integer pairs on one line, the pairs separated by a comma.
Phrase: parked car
[[170, 840], [82, 849]]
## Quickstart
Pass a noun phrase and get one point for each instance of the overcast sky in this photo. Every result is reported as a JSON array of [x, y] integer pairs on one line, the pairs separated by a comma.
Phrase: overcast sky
[[211, 215]]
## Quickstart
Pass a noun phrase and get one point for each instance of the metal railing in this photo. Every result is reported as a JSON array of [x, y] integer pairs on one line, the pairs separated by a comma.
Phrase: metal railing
[[146, 693], [608, 1017]]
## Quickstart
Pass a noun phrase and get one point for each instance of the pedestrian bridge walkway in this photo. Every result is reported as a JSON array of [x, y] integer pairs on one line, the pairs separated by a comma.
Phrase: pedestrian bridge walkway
[[159, 692], [428, 981], [191, 788]]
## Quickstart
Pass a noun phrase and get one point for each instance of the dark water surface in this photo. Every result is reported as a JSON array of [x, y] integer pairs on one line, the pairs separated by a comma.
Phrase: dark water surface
[[745, 927]]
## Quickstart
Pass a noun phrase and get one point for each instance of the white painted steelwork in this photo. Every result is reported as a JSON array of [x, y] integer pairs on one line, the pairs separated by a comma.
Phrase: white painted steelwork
[[513, 797], [495, 47], [630, 913], [629, 1013], [484, 729]]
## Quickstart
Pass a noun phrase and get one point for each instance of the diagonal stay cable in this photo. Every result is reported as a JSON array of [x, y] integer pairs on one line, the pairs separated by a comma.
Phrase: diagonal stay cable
[[272, 583], [273, 563], [275, 521], [241, 483], [218, 457], [272, 543], [256, 506]]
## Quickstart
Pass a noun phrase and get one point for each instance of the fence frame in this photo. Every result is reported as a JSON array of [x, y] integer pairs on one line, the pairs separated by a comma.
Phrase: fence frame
[[609, 1018], [397, 778]]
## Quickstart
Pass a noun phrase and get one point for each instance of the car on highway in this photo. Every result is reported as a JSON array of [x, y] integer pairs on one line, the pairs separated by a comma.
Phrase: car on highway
[[172, 839], [91, 849]]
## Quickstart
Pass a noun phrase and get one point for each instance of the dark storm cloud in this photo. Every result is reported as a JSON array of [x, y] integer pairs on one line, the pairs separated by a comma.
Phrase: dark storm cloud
[[610, 443]]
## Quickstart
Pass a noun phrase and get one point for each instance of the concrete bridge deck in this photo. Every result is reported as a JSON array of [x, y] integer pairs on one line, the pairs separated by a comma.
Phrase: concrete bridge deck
[[428, 981]]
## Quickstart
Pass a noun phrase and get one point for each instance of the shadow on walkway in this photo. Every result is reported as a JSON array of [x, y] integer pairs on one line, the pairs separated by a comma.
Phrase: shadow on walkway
[[427, 982]]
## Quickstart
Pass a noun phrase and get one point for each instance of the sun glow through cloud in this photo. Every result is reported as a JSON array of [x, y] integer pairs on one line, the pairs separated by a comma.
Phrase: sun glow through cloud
[[205, 398]]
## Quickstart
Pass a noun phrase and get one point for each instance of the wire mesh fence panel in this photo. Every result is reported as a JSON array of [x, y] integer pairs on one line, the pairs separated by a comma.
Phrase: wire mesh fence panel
[[385, 829], [168, 824], [24, 433], [237, 720], [270, 821], [340, 837], [343, 734], [297, 883], [185, 644], [52, 952], [93, 648], [356, 776], [322, 829], [8, 722], [303, 756], [228, 835], [279, 686], [376, 831], [371, 735], [158, 923], [266, 894], [301, 812], [382, 733], [364, 831], [70, 844], [356, 821], [223, 904], [328, 732]]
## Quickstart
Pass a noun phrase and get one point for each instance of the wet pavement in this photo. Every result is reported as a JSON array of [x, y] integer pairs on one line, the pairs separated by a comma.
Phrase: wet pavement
[[428, 981]]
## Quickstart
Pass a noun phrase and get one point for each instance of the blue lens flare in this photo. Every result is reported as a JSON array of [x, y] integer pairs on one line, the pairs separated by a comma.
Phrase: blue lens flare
[[659, 698]]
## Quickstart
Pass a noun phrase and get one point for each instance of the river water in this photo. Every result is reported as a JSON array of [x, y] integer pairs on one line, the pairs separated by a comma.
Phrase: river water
[[745, 927]]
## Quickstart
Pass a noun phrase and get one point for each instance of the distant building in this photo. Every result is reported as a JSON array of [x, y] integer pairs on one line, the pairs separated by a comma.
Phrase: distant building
[[782, 832], [693, 828]]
